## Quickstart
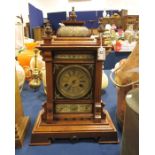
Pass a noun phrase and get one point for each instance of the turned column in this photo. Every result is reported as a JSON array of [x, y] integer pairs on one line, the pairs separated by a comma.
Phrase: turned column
[[98, 110], [48, 106]]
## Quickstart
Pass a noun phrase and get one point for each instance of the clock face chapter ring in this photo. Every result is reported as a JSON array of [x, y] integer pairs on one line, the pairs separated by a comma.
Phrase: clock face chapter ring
[[74, 81]]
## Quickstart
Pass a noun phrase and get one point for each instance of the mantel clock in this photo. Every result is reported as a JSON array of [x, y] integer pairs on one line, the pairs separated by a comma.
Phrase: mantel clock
[[73, 108]]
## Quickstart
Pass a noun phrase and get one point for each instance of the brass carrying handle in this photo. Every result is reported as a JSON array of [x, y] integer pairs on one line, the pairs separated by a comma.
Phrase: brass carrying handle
[[122, 85]]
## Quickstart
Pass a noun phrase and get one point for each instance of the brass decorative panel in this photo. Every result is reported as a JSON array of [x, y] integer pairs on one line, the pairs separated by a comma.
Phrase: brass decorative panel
[[74, 81], [73, 108], [74, 56]]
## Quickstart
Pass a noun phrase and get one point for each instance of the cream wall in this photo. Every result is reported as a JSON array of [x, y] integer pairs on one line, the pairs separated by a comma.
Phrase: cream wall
[[82, 5], [22, 7]]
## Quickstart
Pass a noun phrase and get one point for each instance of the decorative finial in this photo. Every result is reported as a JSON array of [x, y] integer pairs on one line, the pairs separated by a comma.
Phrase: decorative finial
[[73, 15], [73, 8], [47, 34], [48, 30]]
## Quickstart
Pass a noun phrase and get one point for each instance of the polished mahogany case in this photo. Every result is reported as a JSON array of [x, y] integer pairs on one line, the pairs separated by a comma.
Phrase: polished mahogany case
[[74, 108]]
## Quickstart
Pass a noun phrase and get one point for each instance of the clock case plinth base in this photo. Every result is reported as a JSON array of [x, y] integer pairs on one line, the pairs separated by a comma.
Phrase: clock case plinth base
[[103, 132]]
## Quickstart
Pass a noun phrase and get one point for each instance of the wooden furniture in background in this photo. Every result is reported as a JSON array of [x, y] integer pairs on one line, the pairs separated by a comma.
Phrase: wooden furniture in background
[[38, 33], [21, 121], [131, 19], [122, 21], [123, 12], [27, 30], [111, 20], [74, 108]]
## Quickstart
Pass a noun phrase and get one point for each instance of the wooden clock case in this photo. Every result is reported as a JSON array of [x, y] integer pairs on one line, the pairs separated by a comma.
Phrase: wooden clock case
[[58, 53]]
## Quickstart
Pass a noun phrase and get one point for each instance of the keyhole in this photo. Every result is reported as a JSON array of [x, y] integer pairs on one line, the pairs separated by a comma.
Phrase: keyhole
[[66, 85], [81, 85]]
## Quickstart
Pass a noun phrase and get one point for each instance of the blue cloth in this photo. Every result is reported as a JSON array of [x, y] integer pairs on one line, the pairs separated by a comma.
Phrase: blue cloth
[[36, 17], [32, 101], [114, 57], [55, 18], [86, 16], [121, 55]]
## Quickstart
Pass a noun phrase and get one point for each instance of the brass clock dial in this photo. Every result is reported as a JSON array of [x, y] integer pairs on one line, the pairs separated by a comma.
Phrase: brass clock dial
[[74, 81]]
